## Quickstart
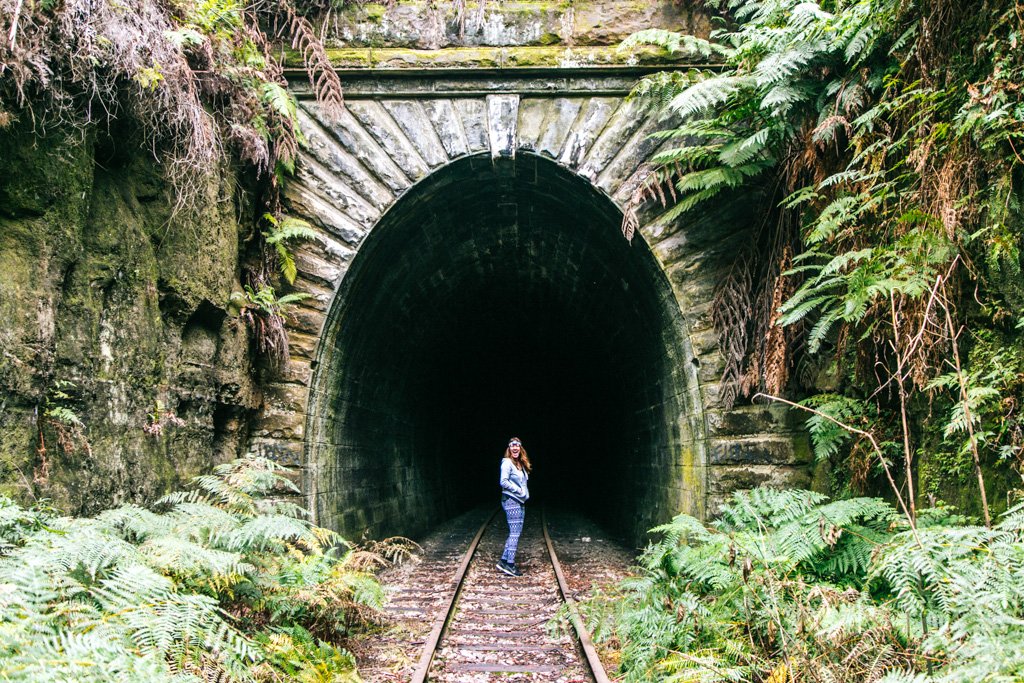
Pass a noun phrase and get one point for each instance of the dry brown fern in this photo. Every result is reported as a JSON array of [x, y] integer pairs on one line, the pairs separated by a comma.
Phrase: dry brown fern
[[373, 555], [322, 77], [657, 184], [776, 345], [731, 312]]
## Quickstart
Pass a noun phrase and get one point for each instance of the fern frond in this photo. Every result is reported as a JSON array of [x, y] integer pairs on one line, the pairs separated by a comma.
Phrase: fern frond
[[704, 96], [765, 508], [674, 42], [288, 228], [271, 531], [179, 557], [292, 298], [780, 67], [741, 152], [135, 523], [322, 76], [287, 264], [280, 101]]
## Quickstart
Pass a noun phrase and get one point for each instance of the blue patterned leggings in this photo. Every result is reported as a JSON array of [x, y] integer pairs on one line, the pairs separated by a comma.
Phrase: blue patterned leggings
[[515, 512]]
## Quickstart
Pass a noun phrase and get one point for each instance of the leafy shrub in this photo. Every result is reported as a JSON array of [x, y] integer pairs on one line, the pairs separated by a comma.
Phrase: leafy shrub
[[223, 582], [788, 586], [193, 77], [884, 140]]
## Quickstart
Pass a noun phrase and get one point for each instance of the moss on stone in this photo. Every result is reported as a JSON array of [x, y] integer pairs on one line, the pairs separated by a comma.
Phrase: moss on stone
[[373, 12], [491, 57], [691, 480], [98, 285], [419, 24], [340, 57]]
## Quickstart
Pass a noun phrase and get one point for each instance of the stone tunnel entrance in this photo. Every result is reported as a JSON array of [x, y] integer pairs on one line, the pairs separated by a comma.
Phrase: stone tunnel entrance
[[499, 298]]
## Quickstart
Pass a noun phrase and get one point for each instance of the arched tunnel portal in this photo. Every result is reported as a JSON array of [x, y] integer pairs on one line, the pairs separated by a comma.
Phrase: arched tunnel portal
[[499, 298]]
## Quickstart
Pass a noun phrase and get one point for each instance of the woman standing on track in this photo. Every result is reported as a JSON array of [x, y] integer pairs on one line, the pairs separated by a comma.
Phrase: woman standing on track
[[515, 470]]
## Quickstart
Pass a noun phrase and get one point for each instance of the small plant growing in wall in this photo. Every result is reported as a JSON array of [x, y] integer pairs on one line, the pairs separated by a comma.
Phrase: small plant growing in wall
[[259, 305], [60, 419], [263, 312], [159, 418], [279, 232]]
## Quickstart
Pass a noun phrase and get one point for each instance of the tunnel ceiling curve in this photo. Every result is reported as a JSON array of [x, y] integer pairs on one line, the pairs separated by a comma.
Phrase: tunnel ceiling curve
[[499, 298]]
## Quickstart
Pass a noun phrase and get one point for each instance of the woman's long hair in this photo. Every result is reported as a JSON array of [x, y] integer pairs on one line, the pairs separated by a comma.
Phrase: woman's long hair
[[522, 456]]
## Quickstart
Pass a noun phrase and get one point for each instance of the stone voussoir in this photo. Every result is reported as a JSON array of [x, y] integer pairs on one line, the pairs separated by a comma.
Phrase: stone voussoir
[[322, 145], [558, 124], [619, 128], [376, 120], [447, 126], [502, 125], [630, 158], [473, 116], [412, 118], [318, 267], [585, 130], [301, 346], [320, 212], [317, 297], [337, 191], [355, 139], [304, 320], [532, 113]]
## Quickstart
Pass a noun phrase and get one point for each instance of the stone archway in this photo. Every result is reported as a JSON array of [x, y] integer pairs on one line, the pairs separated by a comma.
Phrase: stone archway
[[381, 184], [498, 297]]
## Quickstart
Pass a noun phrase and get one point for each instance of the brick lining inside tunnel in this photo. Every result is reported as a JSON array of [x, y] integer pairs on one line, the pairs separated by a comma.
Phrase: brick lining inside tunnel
[[499, 298]]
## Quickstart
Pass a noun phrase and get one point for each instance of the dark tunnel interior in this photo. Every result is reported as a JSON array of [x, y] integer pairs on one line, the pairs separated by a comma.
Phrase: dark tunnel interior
[[499, 298]]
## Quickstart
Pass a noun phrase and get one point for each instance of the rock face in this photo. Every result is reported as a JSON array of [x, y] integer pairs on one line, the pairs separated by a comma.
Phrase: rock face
[[111, 313], [430, 26]]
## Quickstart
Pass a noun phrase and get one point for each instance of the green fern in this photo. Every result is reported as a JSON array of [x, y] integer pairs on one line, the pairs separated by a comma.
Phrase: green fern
[[284, 230], [827, 436], [145, 595], [766, 508], [675, 43], [782, 585]]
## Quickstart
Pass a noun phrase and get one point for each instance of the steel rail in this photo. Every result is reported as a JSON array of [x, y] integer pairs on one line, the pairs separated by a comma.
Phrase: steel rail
[[596, 668], [582, 635], [430, 644]]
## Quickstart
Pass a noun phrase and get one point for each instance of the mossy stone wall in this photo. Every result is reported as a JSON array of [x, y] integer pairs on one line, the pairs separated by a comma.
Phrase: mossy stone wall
[[110, 306]]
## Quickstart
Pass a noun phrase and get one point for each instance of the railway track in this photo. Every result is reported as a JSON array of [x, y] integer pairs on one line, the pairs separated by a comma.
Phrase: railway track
[[488, 626]]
